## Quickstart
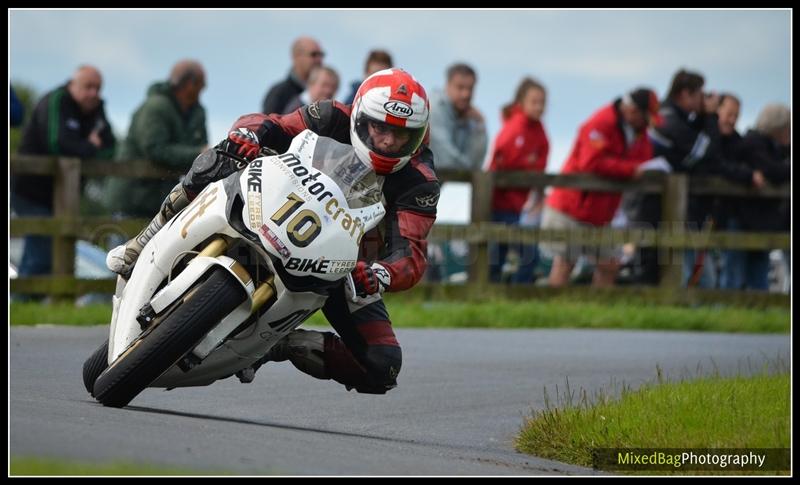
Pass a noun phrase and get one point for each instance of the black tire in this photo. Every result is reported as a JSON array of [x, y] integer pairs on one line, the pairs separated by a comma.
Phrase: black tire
[[202, 308], [94, 366]]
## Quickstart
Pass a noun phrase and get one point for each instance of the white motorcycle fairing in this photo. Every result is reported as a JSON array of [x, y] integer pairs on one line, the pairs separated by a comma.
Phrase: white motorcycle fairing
[[301, 213]]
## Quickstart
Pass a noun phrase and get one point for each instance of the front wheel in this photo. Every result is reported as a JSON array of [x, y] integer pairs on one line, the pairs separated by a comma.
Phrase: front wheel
[[167, 342]]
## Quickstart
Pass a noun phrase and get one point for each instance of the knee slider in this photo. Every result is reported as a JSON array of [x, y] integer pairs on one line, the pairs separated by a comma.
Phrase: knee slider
[[205, 162], [382, 365], [211, 165]]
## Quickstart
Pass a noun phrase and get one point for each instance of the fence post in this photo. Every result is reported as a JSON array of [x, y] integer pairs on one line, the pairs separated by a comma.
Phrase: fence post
[[66, 206], [674, 202], [481, 212]]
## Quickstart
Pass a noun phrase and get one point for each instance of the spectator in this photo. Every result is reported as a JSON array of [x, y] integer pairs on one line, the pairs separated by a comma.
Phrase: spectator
[[68, 121], [612, 143], [168, 129], [688, 138], [765, 149], [377, 60], [521, 144], [458, 133], [306, 54], [727, 115], [16, 111], [323, 82]]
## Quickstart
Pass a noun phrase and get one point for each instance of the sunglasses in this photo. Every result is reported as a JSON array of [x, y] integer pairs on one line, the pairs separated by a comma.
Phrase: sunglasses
[[316, 54]]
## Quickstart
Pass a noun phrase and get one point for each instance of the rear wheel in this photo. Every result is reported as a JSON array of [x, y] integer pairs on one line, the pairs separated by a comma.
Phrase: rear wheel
[[166, 342], [94, 366]]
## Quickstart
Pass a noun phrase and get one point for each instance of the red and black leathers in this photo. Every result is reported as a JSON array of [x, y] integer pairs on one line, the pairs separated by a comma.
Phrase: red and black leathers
[[366, 356], [411, 193]]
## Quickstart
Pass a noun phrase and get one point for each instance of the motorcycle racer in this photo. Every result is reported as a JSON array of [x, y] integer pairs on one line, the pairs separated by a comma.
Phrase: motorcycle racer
[[387, 124]]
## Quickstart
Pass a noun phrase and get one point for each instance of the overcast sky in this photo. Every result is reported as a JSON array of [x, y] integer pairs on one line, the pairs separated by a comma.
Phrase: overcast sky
[[585, 58]]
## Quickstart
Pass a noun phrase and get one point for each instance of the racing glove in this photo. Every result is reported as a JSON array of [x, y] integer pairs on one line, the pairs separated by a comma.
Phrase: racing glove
[[243, 143], [370, 279]]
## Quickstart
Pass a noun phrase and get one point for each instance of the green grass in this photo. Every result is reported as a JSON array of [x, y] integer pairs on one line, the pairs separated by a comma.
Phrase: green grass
[[29, 313], [551, 313], [565, 313], [712, 412], [47, 466]]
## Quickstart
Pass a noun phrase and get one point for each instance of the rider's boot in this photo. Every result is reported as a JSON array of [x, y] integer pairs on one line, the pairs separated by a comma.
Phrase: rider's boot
[[122, 258], [304, 348]]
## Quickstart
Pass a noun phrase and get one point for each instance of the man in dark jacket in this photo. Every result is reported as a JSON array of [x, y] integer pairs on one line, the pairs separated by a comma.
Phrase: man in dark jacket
[[730, 145], [68, 121], [688, 137], [306, 55], [365, 355], [169, 129], [764, 149]]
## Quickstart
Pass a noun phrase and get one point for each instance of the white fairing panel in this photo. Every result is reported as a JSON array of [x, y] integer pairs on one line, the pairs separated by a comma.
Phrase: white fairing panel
[[206, 215], [287, 313], [312, 222], [310, 208]]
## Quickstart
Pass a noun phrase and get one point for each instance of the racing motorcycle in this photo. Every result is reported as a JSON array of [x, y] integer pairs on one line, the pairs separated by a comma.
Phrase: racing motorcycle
[[249, 260]]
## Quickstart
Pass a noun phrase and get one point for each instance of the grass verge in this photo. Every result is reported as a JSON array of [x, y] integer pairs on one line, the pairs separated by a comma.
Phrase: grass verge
[[551, 313], [709, 412]]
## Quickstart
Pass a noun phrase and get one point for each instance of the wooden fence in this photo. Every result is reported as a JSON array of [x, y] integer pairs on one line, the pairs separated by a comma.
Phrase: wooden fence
[[672, 237]]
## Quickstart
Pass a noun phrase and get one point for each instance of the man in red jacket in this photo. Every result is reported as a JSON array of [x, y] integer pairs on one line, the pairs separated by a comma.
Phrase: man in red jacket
[[612, 143]]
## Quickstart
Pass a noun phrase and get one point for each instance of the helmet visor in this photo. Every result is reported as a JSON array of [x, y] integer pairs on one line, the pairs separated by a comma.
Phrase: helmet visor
[[388, 140]]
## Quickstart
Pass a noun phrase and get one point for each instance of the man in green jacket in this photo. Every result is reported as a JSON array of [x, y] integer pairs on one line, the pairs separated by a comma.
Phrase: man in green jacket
[[169, 129]]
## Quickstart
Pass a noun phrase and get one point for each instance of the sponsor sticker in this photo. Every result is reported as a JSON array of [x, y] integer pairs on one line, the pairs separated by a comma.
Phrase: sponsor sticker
[[275, 241], [398, 109]]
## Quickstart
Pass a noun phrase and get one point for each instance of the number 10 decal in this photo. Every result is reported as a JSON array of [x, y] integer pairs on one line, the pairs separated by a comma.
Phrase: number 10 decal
[[305, 218]]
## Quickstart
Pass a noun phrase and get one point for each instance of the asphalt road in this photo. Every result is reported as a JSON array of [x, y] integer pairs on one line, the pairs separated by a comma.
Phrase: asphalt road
[[461, 399]]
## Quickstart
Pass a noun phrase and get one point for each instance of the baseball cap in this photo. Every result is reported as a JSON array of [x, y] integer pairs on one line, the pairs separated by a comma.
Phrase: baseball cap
[[645, 99]]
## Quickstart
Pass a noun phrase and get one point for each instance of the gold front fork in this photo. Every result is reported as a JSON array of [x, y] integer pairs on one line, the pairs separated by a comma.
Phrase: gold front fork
[[265, 290], [214, 248], [263, 293]]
